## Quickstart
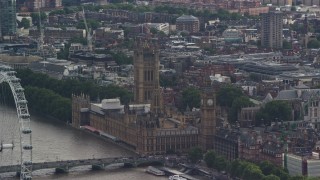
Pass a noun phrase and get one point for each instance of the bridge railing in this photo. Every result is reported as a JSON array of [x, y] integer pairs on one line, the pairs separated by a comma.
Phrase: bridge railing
[[81, 162]]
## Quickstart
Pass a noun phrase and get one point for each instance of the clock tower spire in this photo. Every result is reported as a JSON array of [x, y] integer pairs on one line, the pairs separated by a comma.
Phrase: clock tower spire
[[208, 119]]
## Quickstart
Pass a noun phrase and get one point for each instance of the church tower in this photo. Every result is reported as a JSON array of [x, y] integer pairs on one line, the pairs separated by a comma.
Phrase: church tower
[[80, 110], [146, 71], [208, 119]]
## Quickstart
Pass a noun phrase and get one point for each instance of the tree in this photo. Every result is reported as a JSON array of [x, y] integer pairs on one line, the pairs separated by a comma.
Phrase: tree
[[252, 172], [70, 2], [220, 163], [6, 94], [297, 178], [121, 58], [35, 17], [55, 12], [91, 23], [271, 177], [68, 10], [226, 95], [65, 10], [64, 53], [25, 23], [266, 167], [274, 110], [47, 102], [168, 80], [293, 8], [184, 33], [241, 167], [265, 171], [94, 24], [313, 44], [237, 104], [312, 178], [153, 30], [81, 40], [286, 45], [281, 173], [128, 43], [67, 87], [299, 27], [233, 168], [210, 158], [191, 98], [195, 154]]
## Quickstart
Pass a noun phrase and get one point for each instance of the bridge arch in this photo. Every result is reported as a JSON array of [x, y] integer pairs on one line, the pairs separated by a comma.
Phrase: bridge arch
[[7, 75]]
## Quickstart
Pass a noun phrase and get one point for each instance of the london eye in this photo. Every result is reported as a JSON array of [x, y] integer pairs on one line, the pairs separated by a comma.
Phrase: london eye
[[15, 134]]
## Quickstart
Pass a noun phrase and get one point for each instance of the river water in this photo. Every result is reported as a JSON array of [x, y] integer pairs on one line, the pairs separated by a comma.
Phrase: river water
[[54, 140]]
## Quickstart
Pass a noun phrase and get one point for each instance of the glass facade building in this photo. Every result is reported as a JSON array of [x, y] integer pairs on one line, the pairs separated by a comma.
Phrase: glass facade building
[[8, 24]]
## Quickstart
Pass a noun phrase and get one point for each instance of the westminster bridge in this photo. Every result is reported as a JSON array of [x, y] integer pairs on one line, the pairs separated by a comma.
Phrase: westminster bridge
[[96, 163]]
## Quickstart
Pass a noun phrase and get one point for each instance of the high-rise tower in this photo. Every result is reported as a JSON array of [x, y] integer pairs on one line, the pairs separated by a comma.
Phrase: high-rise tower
[[7, 17], [146, 72], [271, 30]]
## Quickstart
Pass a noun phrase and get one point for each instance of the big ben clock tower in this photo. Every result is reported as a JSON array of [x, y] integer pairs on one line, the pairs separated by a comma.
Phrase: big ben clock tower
[[208, 119]]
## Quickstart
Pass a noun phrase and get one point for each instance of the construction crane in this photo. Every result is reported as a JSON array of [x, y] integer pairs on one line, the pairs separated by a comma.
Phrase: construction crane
[[89, 37], [40, 41]]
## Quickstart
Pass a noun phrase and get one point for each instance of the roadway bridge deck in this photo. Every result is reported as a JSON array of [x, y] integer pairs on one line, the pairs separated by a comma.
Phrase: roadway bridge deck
[[66, 165]]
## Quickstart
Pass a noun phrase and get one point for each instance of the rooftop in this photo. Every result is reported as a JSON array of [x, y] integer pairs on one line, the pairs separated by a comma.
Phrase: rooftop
[[187, 18]]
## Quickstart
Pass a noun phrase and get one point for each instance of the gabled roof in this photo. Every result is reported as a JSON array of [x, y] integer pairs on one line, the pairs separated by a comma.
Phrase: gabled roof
[[267, 99], [287, 95], [301, 86], [187, 18], [304, 94], [272, 147]]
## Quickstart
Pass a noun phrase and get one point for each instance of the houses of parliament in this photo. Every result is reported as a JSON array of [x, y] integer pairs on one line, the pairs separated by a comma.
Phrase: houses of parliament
[[146, 125]]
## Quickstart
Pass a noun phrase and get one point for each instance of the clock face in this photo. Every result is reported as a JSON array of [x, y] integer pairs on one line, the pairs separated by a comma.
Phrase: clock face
[[210, 102]]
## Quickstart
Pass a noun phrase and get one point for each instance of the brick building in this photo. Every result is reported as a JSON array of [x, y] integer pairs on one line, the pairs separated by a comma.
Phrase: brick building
[[227, 143], [32, 5], [144, 125], [188, 23], [271, 30], [52, 34]]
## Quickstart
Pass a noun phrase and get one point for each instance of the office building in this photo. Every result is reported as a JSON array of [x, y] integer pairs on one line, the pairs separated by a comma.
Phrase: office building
[[271, 30], [188, 23], [7, 17]]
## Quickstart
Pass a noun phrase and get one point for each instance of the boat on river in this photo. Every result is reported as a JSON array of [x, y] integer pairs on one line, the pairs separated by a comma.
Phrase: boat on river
[[176, 177], [154, 171]]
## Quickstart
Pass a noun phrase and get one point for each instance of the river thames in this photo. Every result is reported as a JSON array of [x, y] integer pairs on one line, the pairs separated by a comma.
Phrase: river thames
[[54, 141]]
